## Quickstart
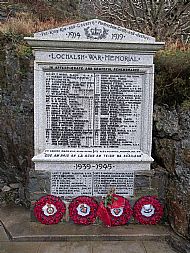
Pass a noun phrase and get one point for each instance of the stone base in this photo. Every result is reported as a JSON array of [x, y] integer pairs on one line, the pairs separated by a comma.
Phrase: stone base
[[40, 184], [144, 182]]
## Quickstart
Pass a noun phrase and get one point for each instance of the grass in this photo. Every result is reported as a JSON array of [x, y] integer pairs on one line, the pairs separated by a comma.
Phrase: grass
[[176, 45], [27, 24]]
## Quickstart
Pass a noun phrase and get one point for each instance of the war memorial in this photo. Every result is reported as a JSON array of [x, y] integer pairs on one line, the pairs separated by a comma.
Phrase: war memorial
[[93, 100]]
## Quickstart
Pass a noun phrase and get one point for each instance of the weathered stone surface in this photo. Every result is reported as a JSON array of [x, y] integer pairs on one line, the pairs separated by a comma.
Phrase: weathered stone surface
[[6, 188], [179, 244], [14, 186], [179, 216], [178, 208], [171, 150], [164, 152], [142, 181], [160, 181], [16, 121], [186, 156], [184, 121], [39, 184], [166, 122]]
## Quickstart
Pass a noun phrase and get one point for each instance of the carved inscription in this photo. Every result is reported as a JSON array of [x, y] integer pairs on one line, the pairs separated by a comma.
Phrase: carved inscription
[[94, 57], [71, 183], [69, 106], [99, 58], [95, 30], [119, 110], [93, 109], [123, 182], [92, 183]]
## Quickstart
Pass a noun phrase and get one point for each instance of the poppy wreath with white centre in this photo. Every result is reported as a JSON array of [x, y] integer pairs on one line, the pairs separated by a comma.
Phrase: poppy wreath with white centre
[[83, 210], [49, 209], [148, 210]]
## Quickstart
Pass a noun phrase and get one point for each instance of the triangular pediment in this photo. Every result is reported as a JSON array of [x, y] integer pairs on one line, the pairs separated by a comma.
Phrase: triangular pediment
[[95, 31]]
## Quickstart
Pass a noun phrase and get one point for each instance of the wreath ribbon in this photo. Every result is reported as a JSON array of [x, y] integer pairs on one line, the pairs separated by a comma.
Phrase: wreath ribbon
[[116, 213]]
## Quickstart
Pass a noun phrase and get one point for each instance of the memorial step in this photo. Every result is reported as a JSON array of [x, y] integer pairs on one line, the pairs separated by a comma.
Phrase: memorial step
[[17, 224]]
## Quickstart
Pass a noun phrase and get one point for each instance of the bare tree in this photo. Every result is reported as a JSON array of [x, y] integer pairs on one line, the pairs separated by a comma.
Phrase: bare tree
[[162, 19]]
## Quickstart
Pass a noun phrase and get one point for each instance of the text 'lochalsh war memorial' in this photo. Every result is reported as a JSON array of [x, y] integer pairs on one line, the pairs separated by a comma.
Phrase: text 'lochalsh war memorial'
[[93, 124]]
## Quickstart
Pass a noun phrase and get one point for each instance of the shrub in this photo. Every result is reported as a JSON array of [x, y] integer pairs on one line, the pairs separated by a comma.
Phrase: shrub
[[172, 79], [27, 24]]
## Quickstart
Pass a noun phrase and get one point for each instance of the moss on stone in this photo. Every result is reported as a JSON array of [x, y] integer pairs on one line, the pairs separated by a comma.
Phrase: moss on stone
[[186, 104], [23, 50]]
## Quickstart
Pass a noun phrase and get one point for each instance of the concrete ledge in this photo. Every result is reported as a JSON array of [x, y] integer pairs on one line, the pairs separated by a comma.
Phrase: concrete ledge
[[16, 221], [60, 44]]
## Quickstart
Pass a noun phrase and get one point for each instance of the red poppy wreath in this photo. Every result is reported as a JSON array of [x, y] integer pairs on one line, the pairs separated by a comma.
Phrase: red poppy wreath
[[115, 210], [49, 209], [83, 210], [148, 210]]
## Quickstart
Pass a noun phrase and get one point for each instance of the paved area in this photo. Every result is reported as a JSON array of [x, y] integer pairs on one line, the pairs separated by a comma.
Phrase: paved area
[[19, 235], [17, 222], [7, 246]]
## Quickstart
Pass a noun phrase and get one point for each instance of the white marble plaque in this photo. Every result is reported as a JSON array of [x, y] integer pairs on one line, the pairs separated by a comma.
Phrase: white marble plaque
[[69, 107], [93, 109], [66, 183], [91, 183], [123, 182]]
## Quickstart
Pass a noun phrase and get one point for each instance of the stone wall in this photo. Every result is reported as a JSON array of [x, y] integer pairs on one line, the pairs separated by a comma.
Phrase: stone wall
[[171, 151], [16, 121]]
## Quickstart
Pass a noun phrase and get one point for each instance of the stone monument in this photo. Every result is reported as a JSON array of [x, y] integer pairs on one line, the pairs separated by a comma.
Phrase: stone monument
[[93, 110]]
